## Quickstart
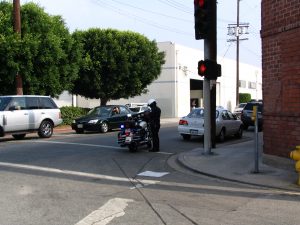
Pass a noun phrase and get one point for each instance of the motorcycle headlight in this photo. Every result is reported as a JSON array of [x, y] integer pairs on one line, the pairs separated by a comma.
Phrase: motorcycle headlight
[[93, 121]]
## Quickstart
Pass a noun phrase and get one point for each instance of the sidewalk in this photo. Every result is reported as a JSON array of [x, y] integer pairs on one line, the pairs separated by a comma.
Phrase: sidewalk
[[236, 163]]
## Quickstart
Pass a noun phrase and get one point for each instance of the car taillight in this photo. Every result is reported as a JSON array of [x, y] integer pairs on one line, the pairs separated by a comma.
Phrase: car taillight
[[59, 115], [183, 122]]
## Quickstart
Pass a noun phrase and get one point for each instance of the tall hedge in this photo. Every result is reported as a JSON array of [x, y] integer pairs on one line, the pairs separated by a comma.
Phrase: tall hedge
[[244, 97], [69, 113]]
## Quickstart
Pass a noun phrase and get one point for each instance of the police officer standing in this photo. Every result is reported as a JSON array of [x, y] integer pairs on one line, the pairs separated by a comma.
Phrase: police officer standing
[[154, 120]]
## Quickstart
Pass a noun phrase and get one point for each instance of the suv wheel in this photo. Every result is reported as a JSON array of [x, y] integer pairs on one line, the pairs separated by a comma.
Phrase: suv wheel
[[45, 129]]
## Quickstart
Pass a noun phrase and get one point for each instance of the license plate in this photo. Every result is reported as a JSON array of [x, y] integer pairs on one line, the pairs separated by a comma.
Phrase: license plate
[[79, 125], [194, 131], [128, 139]]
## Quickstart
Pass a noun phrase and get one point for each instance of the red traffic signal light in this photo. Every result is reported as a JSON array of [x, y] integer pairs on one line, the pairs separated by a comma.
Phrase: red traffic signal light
[[199, 2], [202, 68], [203, 18], [209, 69]]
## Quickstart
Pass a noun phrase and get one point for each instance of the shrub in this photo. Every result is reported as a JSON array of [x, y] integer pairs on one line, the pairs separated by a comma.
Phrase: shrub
[[244, 97], [69, 113]]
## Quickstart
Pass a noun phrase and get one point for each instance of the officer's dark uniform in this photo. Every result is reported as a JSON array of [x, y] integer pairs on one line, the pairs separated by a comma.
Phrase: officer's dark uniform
[[154, 120]]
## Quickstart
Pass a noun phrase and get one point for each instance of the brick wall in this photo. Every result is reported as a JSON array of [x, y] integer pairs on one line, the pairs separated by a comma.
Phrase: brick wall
[[281, 75]]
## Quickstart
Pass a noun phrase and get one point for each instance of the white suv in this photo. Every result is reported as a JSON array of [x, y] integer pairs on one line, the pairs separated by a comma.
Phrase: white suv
[[21, 114]]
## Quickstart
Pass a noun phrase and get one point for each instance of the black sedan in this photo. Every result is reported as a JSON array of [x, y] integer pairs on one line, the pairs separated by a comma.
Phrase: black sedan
[[102, 119]]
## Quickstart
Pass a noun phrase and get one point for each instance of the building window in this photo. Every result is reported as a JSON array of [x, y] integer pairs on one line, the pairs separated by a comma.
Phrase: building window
[[252, 85], [242, 83]]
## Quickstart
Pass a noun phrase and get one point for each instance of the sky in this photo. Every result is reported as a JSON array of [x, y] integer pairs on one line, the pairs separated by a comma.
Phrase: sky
[[164, 20]]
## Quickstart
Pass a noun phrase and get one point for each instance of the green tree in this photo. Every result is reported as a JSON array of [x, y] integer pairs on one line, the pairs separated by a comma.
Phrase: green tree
[[116, 64], [45, 54]]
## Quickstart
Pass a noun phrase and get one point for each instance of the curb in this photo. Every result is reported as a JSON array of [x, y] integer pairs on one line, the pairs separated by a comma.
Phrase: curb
[[63, 129], [181, 160]]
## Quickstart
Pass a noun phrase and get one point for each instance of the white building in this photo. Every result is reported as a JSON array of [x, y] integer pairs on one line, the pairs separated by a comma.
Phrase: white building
[[179, 84]]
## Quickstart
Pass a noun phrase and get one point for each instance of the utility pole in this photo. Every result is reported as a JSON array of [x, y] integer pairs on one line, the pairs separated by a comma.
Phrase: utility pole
[[237, 53], [17, 29], [237, 30]]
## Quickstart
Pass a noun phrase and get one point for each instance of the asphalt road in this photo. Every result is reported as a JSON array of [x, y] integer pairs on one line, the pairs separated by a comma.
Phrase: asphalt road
[[88, 179]]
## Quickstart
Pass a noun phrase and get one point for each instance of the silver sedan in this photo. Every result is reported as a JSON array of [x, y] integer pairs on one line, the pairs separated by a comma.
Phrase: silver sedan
[[227, 124]]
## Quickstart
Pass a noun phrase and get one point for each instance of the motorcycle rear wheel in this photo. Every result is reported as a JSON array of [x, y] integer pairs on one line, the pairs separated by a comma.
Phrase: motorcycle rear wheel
[[150, 144], [132, 147]]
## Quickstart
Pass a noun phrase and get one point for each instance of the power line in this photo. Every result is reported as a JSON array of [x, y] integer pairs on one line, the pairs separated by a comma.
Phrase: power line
[[230, 44], [166, 2], [146, 21], [179, 4], [251, 6], [250, 51], [140, 19], [156, 13]]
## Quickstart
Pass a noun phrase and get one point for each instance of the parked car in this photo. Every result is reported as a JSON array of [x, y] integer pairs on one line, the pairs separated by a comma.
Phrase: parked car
[[238, 109], [226, 124], [139, 109], [102, 119], [21, 114], [247, 114]]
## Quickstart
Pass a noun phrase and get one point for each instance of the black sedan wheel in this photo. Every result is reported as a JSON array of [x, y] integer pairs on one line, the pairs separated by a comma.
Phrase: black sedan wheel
[[104, 127], [79, 131]]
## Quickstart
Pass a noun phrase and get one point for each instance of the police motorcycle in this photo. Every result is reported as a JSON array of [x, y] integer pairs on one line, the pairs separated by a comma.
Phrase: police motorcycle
[[135, 132]]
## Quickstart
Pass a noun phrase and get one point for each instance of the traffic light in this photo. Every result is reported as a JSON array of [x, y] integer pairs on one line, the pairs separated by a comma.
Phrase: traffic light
[[209, 69], [203, 19]]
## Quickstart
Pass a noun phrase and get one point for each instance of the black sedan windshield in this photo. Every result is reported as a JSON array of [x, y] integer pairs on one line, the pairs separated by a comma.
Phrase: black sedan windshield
[[100, 111]]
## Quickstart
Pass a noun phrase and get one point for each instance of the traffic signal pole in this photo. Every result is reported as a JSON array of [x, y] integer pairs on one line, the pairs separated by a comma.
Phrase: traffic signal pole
[[212, 55], [207, 115], [210, 52], [206, 28]]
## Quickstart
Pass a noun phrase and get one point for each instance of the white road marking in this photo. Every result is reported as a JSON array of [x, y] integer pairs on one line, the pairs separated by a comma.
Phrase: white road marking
[[74, 173], [153, 174], [112, 209], [80, 144], [164, 153], [92, 145]]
